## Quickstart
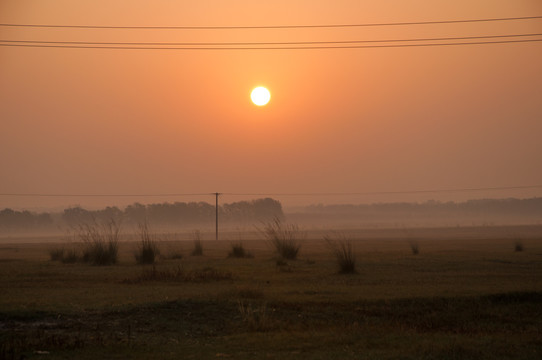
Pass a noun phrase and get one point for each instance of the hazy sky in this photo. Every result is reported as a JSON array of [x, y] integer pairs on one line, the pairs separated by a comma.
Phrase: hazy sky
[[103, 121]]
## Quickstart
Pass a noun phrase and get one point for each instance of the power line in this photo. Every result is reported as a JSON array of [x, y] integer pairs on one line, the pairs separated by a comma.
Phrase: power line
[[435, 191], [272, 47], [501, 188], [105, 195], [270, 26], [268, 43]]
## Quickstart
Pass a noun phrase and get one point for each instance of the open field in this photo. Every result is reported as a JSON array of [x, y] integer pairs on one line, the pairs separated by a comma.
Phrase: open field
[[469, 296]]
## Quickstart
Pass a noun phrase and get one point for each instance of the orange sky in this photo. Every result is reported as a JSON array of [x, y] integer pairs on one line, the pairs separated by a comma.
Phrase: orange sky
[[353, 120]]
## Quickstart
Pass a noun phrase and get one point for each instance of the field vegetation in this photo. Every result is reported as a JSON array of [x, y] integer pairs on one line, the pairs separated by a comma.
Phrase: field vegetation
[[461, 298], [147, 251], [284, 238], [238, 251], [343, 249]]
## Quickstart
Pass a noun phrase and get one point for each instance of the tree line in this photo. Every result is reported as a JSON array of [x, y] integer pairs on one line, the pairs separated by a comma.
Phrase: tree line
[[174, 214], [482, 211], [511, 206], [15, 220]]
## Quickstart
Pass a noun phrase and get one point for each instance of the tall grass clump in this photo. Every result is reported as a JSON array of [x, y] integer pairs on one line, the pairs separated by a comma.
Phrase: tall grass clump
[[100, 242], [238, 251], [285, 238], [198, 246], [147, 251], [343, 249]]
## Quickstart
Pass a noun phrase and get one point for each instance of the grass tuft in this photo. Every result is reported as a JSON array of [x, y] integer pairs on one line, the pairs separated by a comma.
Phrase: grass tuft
[[238, 251], [343, 250], [285, 238], [147, 252], [100, 242]]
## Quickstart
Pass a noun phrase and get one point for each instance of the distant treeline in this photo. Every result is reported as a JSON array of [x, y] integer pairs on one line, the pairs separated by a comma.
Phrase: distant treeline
[[193, 214], [485, 211], [180, 213], [504, 206], [14, 220], [172, 214]]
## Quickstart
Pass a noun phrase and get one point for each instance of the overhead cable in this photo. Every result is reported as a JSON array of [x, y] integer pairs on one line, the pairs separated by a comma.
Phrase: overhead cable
[[477, 189], [268, 43], [519, 18], [274, 47]]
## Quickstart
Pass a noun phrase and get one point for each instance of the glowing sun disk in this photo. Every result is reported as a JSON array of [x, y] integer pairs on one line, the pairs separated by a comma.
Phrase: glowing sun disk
[[260, 96]]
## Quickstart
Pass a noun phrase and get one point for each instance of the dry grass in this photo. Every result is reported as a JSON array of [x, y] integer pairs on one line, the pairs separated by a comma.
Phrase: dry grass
[[459, 266], [464, 298], [238, 251], [284, 238], [100, 242], [343, 249], [147, 251]]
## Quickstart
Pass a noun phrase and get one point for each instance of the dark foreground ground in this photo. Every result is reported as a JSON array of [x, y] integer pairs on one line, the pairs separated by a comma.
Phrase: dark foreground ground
[[498, 326]]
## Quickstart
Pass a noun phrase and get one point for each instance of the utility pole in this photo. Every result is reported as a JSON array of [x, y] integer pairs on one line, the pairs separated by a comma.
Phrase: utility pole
[[216, 208]]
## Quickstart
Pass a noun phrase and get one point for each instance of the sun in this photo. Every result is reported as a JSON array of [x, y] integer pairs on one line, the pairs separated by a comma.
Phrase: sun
[[260, 96]]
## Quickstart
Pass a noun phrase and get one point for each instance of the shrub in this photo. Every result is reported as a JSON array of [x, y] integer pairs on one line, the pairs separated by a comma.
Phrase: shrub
[[238, 251], [518, 246], [198, 246], [100, 242], [147, 251], [285, 238], [343, 250]]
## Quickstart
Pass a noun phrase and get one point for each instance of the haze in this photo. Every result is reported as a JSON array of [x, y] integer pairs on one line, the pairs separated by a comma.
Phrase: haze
[[102, 121]]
